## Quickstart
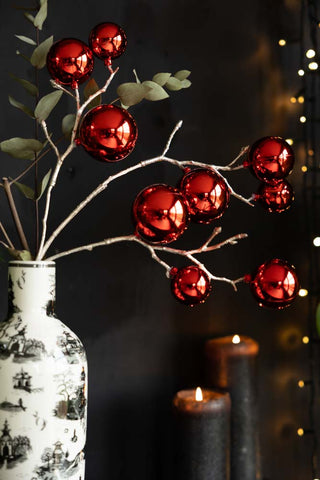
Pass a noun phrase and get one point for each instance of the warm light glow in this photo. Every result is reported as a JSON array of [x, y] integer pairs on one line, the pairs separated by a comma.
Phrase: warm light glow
[[282, 42], [310, 53], [300, 432], [316, 242], [301, 384], [304, 168], [301, 99], [313, 66], [293, 100], [199, 396], [289, 140], [310, 152], [301, 72], [303, 119], [236, 339], [305, 340], [303, 292]]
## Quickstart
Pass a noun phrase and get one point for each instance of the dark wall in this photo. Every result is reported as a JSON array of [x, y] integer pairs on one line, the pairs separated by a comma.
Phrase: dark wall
[[142, 345]]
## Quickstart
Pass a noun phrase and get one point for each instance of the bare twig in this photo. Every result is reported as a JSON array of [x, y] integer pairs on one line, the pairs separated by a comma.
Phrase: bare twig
[[174, 131], [6, 236], [58, 86], [14, 213], [230, 166]]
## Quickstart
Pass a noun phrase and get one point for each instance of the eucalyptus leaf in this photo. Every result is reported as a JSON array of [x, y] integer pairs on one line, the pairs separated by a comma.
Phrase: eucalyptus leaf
[[43, 185], [39, 56], [68, 124], [182, 74], [41, 15], [318, 319], [132, 93], [21, 107], [186, 83], [26, 39], [156, 92], [23, 148], [29, 17], [46, 105], [27, 191], [91, 88], [161, 78], [22, 55], [28, 86], [173, 84], [25, 255]]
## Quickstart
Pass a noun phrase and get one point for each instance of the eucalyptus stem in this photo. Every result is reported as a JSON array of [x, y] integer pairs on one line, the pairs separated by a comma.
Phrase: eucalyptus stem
[[6, 236], [14, 213], [36, 136]]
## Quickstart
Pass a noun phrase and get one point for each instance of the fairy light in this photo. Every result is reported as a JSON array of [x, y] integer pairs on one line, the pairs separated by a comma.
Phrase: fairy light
[[313, 66], [310, 152], [303, 119], [304, 168], [289, 140], [293, 100], [282, 42], [305, 340], [316, 241], [310, 53], [300, 99], [301, 384], [303, 292], [300, 432], [300, 72]]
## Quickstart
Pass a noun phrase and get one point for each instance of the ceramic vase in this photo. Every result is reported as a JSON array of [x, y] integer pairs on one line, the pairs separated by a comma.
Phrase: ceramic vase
[[43, 382]]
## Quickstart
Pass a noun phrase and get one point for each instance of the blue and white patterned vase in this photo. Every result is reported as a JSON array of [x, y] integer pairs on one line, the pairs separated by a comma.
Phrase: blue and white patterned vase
[[43, 383]]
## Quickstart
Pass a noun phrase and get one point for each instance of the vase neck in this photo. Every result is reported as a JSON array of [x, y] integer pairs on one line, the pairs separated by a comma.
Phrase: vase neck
[[31, 287]]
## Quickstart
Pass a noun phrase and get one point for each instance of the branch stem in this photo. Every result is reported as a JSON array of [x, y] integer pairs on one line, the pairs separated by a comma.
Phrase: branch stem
[[6, 236], [14, 213]]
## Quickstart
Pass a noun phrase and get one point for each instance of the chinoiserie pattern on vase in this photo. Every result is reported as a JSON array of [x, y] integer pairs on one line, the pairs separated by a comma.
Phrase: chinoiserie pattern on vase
[[43, 379]]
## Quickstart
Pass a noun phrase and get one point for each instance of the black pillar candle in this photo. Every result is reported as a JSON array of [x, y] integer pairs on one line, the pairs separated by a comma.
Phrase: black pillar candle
[[230, 366], [202, 435]]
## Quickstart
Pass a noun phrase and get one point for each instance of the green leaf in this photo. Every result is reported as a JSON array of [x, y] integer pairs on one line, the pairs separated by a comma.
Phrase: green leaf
[[318, 319], [91, 88], [21, 107], [26, 39], [23, 148], [156, 92], [27, 191], [173, 84], [41, 15], [28, 86], [132, 93], [68, 124], [29, 17], [43, 185], [25, 255], [39, 56], [182, 74], [161, 78], [186, 83], [46, 105]]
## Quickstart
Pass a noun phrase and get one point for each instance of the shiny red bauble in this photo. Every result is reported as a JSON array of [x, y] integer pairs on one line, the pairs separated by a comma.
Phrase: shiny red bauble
[[190, 285], [160, 214], [108, 133], [275, 284], [107, 41], [275, 198], [70, 62], [270, 159], [207, 194]]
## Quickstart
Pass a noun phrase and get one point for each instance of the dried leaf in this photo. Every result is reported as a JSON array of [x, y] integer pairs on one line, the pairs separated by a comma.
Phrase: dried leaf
[[46, 105], [161, 78], [91, 88], [28, 86], [186, 83], [23, 148], [43, 185], [132, 93], [26, 39], [21, 107], [29, 17], [68, 124], [173, 84], [41, 15], [156, 92], [25, 255], [27, 191], [39, 56], [182, 74]]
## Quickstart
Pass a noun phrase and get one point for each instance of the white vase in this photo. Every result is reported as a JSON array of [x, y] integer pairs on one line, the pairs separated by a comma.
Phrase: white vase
[[43, 383]]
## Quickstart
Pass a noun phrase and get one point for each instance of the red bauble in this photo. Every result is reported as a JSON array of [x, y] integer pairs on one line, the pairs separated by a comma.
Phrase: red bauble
[[70, 62], [270, 159], [108, 133], [275, 198], [190, 285], [207, 194], [275, 284], [160, 213], [107, 41]]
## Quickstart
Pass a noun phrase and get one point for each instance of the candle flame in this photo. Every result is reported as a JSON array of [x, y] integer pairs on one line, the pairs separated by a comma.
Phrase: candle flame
[[199, 396], [236, 339]]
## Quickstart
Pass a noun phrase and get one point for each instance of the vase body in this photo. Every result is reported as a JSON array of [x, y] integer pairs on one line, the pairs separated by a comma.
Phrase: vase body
[[43, 383]]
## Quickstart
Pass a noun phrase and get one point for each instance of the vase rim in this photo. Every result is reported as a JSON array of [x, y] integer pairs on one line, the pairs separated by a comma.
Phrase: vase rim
[[32, 263]]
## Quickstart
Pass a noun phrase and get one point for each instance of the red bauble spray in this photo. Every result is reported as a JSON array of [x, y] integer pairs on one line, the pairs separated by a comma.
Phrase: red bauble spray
[[275, 198], [107, 41], [190, 285]]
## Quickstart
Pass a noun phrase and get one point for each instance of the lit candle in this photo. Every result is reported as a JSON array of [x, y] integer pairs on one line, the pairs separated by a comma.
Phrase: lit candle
[[202, 435], [230, 366]]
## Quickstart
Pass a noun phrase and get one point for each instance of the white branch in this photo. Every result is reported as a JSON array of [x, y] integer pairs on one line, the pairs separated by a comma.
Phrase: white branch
[[168, 144]]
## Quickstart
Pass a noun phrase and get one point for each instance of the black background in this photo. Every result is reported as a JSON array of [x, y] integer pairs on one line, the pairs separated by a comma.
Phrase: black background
[[142, 345]]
